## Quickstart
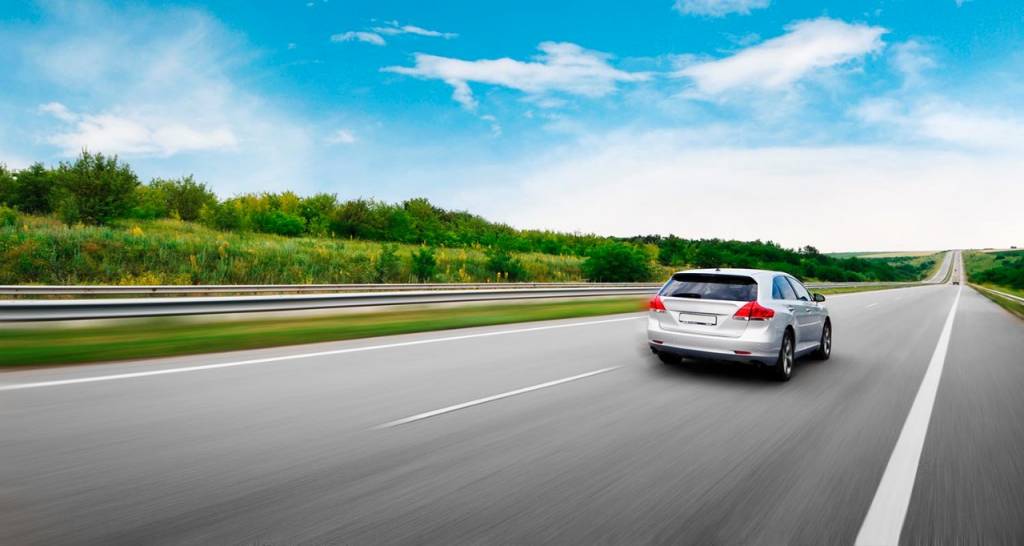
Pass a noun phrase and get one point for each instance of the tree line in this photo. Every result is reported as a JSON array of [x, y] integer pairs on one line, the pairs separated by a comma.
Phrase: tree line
[[97, 189]]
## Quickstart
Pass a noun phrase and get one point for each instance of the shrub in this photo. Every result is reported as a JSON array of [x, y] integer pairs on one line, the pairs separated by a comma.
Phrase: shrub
[[279, 223], [388, 266], [424, 264], [227, 216], [150, 203], [8, 217], [500, 260], [95, 189], [617, 262]]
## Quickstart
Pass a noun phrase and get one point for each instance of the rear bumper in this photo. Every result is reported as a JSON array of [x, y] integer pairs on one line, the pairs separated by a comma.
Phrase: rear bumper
[[755, 345]]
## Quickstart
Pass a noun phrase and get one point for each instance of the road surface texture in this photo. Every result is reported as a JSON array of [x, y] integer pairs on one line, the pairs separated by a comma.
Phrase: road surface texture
[[555, 432]]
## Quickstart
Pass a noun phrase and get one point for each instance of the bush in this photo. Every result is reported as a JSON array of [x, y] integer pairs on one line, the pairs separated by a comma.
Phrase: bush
[[500, 260], [424, 264], [317, 211], [8, 217], [150, 203], [95, 189], [279, 223], [617, 262], [388, 266], [227, 216]]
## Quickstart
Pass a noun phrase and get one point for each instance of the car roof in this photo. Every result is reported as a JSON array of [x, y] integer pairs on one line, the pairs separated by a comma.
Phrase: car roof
[[755, 273]]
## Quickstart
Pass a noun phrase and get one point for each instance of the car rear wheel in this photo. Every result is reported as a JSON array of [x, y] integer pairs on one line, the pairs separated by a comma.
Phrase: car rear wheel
[[783, 368], [825, 345]]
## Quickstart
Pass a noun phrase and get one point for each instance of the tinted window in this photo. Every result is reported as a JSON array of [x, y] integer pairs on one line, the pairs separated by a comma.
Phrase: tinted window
[[781, 290], [801, 292], [711, 287]]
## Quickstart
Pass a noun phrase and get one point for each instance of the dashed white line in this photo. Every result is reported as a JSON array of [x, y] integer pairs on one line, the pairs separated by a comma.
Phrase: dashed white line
[[869, 306], [132, 375], [478, 401], [884, 521]]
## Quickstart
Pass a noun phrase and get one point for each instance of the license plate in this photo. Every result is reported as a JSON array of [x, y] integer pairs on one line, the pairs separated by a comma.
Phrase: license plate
[[704, 320]]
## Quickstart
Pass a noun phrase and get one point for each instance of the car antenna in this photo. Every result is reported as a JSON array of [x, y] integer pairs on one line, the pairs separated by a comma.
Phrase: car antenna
[[718, 269]]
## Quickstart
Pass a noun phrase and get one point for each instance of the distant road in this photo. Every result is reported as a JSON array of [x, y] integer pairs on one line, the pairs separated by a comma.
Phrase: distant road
[[553, 432]]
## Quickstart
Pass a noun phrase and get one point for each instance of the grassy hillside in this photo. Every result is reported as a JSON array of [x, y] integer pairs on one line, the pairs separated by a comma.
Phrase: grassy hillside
[[43, 251], [1001, 270]]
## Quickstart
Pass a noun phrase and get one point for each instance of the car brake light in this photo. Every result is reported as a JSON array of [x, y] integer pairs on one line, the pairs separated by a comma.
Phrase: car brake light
[[753, 311], [656, 305]]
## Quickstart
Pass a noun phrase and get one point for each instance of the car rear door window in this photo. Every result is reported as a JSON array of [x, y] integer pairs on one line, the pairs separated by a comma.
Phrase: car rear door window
[[781, 289], [708, 286], [801, 292]]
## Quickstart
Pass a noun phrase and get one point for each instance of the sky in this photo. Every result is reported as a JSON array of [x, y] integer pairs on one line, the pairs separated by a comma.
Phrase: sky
[[874, 125]]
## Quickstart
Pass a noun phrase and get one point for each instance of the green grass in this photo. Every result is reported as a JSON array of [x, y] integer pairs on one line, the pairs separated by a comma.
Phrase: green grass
[[148, 338]]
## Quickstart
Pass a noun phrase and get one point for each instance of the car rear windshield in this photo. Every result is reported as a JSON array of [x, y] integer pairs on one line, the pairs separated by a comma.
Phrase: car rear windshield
[[710, 287]]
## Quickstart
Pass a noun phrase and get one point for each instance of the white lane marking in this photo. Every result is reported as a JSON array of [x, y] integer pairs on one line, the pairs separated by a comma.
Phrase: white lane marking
[[871, 305], [40, 384], [478, 401], [884, 520]]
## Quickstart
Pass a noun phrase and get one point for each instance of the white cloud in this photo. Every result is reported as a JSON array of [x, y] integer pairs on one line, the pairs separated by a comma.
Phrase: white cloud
[[122, 135], [718, 8], [681, 182], [912, 58], [359, 36], [942, 121], [562, 67], [778, 63], [393, 28], [342, 136]]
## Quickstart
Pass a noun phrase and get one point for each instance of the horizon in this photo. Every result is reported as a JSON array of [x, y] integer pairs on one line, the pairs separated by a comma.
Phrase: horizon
[[889, 131]]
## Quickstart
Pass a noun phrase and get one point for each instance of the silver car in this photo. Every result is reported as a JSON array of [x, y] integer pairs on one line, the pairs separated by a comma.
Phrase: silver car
[[748, 315]]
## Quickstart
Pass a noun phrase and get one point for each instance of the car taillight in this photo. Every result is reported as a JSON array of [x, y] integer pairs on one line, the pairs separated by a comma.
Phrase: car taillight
[[753, 311], [656, 305]]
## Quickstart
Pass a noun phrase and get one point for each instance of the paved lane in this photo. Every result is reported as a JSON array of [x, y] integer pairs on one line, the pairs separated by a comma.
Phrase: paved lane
[[286, 452]]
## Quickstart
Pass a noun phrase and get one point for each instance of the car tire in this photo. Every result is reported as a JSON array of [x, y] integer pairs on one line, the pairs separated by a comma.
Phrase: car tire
[[825, 345], [783, 368], [669, 358]]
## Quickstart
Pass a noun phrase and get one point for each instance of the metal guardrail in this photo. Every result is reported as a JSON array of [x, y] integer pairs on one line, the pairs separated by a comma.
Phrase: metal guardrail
[[86, 290], [44, 310], [1000, 293], [17, 310]]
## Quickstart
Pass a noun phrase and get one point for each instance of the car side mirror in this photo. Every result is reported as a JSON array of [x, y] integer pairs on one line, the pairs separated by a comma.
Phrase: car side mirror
[[819, 298]]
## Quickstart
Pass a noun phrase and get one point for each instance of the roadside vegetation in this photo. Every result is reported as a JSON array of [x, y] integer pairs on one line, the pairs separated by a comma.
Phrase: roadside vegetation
[[1002, 271], [92, 221]]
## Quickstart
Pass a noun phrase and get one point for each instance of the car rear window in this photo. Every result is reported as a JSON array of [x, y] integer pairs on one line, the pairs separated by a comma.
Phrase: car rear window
[[710, 287]]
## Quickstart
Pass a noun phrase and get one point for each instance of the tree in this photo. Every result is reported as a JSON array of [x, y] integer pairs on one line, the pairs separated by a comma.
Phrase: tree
[[185, 197], [424, 264], [317, 211], [279, 223], [617, 262], [95, 189], [7, 186], [34, 189]]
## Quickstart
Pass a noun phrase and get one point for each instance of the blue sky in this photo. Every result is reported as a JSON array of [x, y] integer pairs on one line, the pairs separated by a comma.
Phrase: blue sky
[[858, 125]]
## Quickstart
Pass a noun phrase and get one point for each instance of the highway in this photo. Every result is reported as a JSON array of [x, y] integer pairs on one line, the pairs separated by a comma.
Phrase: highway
[[555, 432]]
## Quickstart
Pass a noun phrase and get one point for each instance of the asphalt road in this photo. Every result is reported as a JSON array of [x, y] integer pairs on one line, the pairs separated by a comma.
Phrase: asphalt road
[[347, 447]]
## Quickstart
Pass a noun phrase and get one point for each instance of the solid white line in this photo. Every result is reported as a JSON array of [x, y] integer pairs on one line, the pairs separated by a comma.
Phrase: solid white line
[[884, 521], [20, 386], [478, 401]]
